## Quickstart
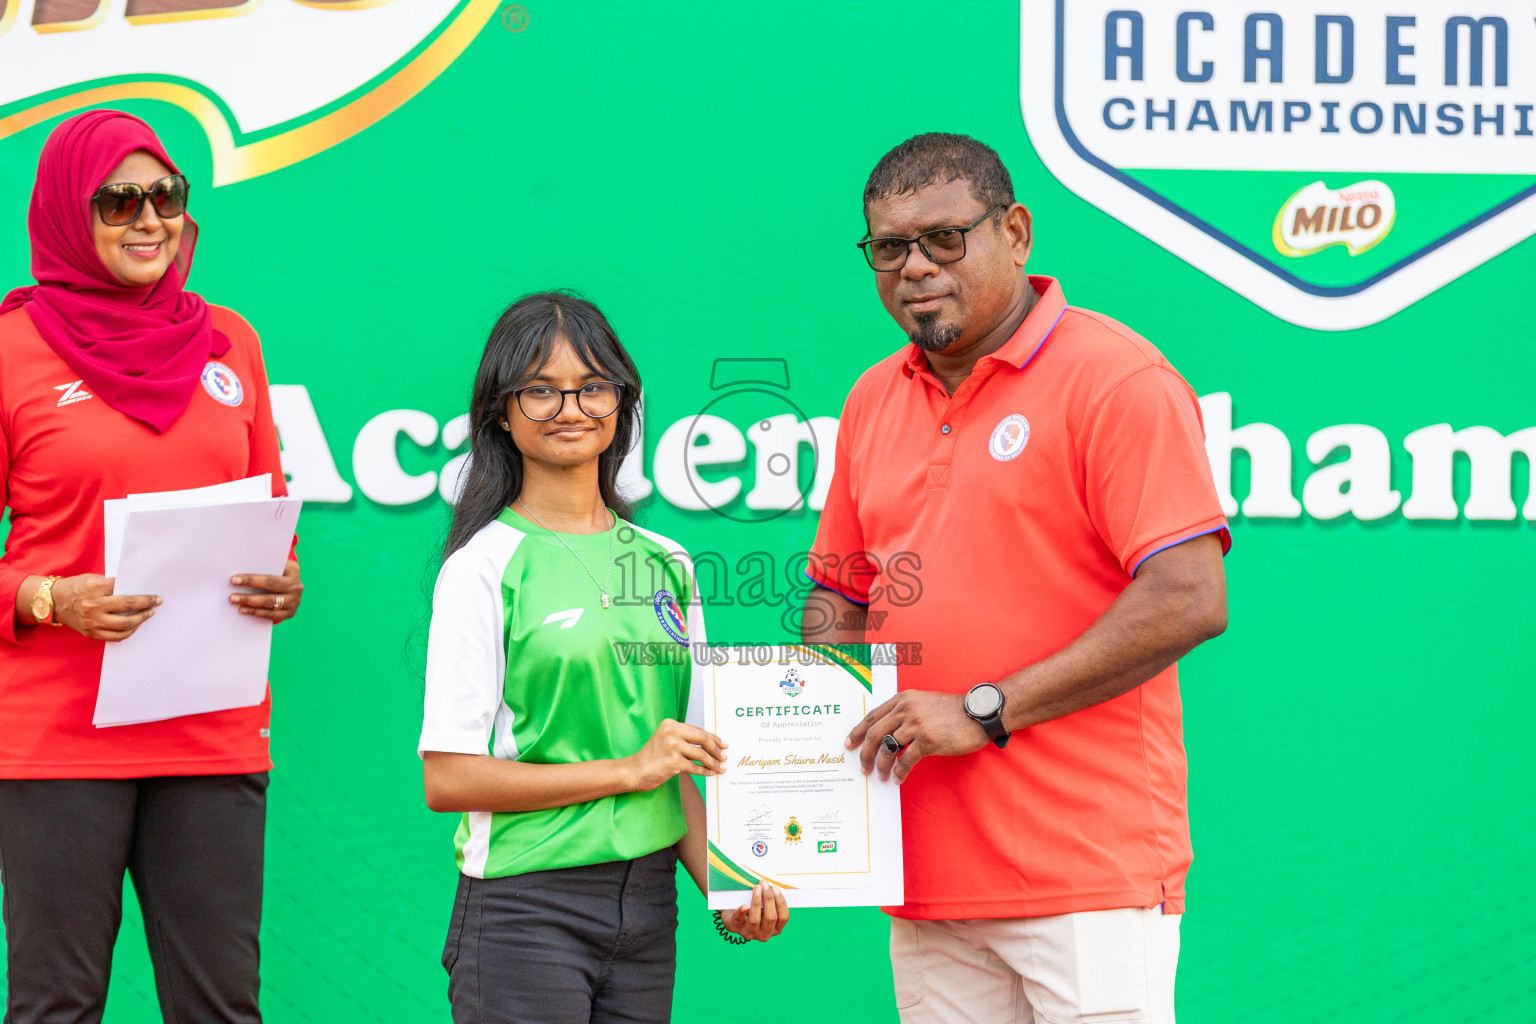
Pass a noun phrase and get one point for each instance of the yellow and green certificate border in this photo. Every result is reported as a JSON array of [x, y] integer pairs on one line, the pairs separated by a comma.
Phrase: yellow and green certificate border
[[725, 874]]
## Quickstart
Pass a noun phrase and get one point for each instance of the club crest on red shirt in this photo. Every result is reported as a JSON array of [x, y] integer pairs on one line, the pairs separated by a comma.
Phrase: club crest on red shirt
[[221, 383], [1009, 438]]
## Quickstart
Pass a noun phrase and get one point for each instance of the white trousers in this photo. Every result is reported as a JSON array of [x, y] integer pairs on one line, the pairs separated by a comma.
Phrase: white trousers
[[1092, 967]]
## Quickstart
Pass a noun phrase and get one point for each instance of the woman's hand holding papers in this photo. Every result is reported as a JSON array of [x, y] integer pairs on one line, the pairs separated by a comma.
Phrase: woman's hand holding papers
[[279, 597], [86, 604]]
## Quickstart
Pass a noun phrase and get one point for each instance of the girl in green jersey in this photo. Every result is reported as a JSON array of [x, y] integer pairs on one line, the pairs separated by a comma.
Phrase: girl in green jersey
[[565, 759]]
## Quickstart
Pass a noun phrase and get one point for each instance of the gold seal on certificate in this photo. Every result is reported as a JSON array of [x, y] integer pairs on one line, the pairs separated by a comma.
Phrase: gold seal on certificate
[[794, 809]]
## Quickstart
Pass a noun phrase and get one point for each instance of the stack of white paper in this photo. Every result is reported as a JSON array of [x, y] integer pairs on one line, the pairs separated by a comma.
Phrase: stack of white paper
[[198, 653]]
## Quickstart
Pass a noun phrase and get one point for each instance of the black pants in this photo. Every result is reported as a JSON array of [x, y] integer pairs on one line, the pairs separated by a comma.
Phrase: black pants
[[193, 845], [591, 944]]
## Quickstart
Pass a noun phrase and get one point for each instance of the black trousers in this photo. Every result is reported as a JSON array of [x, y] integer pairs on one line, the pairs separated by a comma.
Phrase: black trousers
[[193, 845], [586, 945]]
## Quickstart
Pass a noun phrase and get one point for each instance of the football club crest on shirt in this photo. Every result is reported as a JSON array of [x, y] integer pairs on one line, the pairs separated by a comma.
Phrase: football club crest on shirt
[[1009, 438], [792, 685], [221, 384], [671, 616]]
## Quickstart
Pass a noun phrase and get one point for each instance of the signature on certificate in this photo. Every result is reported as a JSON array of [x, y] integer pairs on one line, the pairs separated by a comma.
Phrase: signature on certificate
[[763, 813], [834, 818]]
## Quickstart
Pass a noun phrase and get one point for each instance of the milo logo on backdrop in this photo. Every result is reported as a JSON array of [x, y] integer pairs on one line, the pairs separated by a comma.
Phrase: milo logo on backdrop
[[344, 64], [1332, 167]]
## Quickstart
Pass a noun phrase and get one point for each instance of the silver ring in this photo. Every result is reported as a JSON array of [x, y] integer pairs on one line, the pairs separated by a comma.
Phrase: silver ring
[[890, 744]]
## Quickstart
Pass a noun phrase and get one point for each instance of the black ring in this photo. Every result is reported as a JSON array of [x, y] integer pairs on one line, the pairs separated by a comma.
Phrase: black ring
[[890, 744]]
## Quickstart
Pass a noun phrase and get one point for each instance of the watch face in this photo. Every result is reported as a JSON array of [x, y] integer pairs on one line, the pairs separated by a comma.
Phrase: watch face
[[984, 701], [41, 606]]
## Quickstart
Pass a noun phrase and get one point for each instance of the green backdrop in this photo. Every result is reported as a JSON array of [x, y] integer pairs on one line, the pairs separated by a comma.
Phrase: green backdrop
[[1361, 775]]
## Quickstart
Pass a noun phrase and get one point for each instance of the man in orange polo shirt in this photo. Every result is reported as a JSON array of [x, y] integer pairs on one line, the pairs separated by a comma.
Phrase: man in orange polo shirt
[[1040, 471]]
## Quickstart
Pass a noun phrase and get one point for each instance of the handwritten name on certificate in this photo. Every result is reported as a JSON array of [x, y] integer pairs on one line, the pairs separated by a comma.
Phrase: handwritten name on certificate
[[793, 807]]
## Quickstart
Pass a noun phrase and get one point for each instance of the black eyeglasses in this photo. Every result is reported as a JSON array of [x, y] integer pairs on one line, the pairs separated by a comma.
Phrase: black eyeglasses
[[941, 245], [541, 402], [121, 202]]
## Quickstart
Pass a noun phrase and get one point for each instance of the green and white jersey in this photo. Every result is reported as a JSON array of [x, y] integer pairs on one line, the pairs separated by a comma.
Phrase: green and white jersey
[[524, 663]]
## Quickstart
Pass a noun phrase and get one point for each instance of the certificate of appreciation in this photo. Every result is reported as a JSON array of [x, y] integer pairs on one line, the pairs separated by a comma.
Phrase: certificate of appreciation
[[793, 807]]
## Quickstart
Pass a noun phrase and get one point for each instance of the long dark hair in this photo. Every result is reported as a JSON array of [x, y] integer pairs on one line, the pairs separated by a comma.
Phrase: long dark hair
[[519, 346]]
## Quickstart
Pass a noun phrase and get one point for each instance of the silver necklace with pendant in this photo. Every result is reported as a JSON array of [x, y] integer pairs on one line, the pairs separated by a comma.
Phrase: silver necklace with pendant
[[601, 587]]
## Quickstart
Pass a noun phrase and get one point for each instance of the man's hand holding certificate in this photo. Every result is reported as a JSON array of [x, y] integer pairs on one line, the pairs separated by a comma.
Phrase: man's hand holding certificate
[[796, 809]]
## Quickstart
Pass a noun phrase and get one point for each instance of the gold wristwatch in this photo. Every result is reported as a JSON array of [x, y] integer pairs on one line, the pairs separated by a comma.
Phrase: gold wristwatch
[[42, 602]]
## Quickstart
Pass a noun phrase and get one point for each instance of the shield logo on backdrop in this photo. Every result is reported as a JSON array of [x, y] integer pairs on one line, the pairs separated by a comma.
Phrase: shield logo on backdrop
[[344, 65], [1332, 168]]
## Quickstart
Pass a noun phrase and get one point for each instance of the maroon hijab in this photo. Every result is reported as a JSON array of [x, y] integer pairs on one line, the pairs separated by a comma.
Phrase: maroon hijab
[[140, 349]]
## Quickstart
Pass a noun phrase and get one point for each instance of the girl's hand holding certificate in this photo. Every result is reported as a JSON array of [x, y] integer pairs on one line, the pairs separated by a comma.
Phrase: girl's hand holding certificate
[[762, 919], [675, 748]]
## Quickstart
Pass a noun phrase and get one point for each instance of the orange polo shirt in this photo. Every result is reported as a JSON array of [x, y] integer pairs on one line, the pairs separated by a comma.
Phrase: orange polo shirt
[[994, 526], [63, 451]]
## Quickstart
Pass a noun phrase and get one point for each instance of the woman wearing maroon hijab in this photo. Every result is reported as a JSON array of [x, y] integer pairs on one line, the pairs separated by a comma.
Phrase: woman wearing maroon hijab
[[116, 380]]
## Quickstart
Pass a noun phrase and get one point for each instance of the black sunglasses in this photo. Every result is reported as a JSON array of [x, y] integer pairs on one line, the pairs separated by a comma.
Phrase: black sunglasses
[[121, 202]]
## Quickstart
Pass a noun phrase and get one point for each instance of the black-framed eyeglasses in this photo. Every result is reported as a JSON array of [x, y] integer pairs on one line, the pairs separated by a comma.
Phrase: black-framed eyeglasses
[[121, 202], [541, 402], [941, 245]]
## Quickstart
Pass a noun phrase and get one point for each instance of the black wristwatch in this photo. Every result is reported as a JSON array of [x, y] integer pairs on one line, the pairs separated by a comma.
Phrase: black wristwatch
[[984, 703]]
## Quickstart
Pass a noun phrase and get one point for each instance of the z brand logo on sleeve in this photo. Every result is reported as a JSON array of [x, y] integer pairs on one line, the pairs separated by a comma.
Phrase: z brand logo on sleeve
[[1395, 143], [344, 64], [73, 392]]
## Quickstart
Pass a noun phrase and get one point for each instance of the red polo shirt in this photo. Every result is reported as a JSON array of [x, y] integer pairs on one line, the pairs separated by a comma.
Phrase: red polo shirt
[[63, 451], [994, 526]]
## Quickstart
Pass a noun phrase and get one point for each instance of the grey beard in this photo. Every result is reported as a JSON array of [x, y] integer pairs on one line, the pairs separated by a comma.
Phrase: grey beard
[[929, 336]]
